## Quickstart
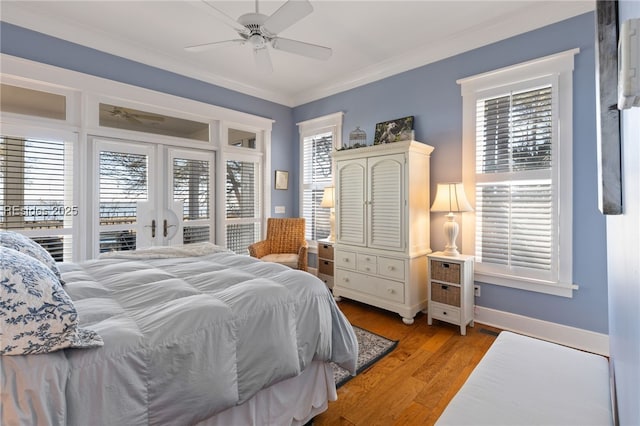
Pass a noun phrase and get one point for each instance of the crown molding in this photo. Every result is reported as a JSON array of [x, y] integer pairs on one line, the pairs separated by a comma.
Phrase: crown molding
[[537, 17]]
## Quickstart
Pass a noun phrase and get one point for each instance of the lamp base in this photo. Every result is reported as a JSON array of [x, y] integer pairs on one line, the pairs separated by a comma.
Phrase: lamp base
[[451, 232], [332, 222]]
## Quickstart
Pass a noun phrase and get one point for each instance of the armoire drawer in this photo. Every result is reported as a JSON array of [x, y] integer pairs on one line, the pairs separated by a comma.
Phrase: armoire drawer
[[375, 286], [345, 259], [367, 263], [392, 268]]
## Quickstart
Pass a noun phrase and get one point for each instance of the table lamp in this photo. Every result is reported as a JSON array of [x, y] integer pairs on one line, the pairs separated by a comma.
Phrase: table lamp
[[328, 201], [450, 198]]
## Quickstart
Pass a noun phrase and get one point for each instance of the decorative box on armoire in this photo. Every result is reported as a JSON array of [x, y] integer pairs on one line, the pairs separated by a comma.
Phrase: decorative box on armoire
[[383, 226]]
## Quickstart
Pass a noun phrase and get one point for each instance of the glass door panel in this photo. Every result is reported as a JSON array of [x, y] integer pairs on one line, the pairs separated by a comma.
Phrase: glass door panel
[[124, 195], [193, 194]]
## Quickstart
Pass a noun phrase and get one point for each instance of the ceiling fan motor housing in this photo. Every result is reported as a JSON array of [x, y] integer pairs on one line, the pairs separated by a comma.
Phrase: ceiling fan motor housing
[[257, 36]]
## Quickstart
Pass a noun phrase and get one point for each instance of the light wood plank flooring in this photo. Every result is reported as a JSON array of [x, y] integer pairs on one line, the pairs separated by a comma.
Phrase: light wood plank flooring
[[413, 384]]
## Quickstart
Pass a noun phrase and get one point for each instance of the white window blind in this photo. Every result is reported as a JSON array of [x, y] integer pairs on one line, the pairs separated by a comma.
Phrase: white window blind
[[515, 215], [36, 192], [517, 162], [317, 173], [191, 186], [243, 207]]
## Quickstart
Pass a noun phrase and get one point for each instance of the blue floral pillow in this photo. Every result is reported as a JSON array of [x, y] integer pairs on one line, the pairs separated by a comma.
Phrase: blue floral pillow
[[36, 315], [26, 245]]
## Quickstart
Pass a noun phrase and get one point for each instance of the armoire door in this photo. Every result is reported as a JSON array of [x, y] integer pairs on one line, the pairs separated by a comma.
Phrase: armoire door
[[385, 202], [351, 200]]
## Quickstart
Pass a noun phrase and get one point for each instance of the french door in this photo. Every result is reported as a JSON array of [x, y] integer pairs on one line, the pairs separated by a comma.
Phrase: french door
[[151, 195]]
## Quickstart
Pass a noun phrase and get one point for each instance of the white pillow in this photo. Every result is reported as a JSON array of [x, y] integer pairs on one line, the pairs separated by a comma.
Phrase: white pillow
[[26, 245], [36, 315]]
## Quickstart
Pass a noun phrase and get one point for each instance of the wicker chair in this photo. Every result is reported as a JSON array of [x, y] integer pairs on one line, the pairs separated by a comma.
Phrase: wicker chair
[[285, 243]]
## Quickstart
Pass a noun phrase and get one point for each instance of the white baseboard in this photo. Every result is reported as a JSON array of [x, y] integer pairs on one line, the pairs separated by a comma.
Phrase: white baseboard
[[565, 335]]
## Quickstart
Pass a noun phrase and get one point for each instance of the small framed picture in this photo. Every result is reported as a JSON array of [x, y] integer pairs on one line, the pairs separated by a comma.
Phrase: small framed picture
[[400, 129], [282, 179]]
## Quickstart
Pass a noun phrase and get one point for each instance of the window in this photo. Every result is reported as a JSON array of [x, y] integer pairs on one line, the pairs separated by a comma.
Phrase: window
[[134, 169], [518, 164], [244, 198], [36, 192], [191, 188], [242, 204], [318, 138]]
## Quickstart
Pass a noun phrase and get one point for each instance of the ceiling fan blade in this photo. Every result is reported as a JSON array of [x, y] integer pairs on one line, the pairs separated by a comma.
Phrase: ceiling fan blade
[[215, 44], [226, 19], [301, 48], [148, 117], [288, 14], [263, 60]]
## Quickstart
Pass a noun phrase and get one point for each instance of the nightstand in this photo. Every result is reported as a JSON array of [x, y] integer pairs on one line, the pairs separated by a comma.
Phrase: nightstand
[[450, 289], [325, 262]]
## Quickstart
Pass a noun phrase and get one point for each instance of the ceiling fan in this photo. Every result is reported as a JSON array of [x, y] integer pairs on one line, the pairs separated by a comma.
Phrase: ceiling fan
[[260, 31], [132, 115]]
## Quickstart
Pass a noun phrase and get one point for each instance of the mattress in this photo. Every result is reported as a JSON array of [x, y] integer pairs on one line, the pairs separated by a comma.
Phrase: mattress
[[526, 381]]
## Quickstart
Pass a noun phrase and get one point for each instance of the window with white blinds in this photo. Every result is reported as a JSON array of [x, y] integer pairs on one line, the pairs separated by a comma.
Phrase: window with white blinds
[[243, 206], [515, 212], [317, 174], [36, 192], [191, 186], [319, 137], [518, 163]]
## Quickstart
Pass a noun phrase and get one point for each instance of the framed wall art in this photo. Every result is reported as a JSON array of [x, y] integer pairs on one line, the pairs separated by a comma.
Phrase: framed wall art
[[400, 129], [282, 179]]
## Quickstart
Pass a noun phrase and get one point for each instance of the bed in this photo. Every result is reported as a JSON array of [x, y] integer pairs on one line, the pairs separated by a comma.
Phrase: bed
[[526, 381], [190, 335]]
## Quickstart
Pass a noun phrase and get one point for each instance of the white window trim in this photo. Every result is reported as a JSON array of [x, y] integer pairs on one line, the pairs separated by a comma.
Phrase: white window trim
[[324, 124], [261, 155], [558, 66], [85, 91]]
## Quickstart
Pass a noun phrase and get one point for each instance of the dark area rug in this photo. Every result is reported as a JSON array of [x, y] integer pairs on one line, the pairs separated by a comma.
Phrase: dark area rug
[[371, 348]]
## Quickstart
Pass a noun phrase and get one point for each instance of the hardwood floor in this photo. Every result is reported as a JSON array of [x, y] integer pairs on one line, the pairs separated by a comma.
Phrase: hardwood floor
[[413, 384]]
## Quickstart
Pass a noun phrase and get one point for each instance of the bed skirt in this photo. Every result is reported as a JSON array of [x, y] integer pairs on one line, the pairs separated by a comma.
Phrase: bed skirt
[[294, 401]]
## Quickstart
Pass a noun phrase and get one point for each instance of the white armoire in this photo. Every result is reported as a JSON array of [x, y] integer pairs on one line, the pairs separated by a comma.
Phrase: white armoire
[[382, 226]]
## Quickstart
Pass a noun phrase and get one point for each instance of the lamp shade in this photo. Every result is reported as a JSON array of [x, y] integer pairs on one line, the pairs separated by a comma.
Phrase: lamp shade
[[328, 197], [450, 197]]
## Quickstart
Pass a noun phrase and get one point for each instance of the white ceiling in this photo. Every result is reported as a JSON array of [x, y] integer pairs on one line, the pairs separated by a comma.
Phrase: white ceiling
[[370, 39]]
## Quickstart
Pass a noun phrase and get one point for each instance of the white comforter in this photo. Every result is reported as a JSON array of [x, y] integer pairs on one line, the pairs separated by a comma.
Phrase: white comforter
[[185, 338]]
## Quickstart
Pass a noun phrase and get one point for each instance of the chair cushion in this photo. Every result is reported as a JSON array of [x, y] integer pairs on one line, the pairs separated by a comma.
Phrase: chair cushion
[[288, 259]]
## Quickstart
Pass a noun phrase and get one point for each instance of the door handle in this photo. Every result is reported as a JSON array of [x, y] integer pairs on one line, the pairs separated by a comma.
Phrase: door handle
[[153, 228], [166, 227]]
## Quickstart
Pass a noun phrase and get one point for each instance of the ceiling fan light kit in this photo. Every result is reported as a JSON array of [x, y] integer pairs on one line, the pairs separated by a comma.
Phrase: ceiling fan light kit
[[260, 31]]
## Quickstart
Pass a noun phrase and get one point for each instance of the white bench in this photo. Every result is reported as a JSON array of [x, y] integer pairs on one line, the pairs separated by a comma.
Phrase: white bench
[[526, 381]]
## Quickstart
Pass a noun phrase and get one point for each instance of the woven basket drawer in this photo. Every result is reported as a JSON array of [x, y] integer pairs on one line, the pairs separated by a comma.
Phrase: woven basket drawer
[[325, 251], [445, 271], [325, 267], [447, 294]]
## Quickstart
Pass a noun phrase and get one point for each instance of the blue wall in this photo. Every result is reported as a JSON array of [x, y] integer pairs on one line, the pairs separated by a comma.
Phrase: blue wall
[[38, 47], [431, 95], [623, 242]]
